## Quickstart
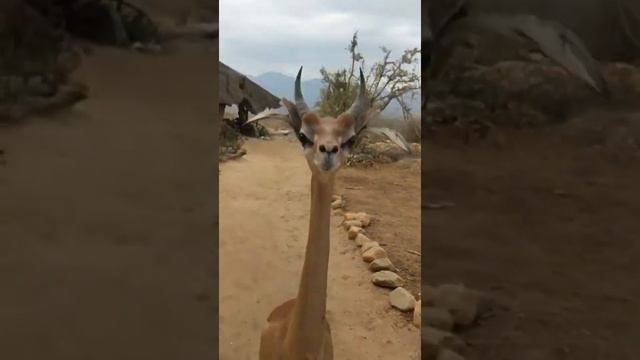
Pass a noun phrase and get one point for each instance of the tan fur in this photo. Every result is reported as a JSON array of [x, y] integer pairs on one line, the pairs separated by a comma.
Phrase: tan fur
[[298, 328], [345, 121], [311, 119], [272, 339], [328, 132]]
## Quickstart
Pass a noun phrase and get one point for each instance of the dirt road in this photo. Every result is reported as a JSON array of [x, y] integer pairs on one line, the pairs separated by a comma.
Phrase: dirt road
[[107, 217], [264, 206], [547, 221]]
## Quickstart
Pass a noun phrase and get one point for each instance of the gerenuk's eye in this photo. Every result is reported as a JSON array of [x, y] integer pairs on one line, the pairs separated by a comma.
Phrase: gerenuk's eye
[[304, 140]]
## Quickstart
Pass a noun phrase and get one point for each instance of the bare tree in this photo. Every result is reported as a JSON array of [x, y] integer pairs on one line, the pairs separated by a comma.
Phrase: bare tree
[[387, 80]]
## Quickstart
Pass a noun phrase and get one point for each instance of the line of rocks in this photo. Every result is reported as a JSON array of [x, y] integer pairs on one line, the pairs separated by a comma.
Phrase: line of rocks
[[447, 307], [384, 272]]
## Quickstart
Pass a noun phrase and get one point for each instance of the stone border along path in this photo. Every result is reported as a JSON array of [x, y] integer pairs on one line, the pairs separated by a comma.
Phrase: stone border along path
[[446, 307], [376, 257]]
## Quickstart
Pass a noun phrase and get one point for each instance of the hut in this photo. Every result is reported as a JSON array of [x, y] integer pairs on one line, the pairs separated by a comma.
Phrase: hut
[[237, 89]]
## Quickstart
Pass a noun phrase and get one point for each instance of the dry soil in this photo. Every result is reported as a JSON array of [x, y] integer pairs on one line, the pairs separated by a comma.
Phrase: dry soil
[[264, 204], [107, 217], [547, 221]]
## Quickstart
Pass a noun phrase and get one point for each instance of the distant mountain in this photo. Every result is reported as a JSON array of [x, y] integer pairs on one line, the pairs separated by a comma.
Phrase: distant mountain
[[281, 85]]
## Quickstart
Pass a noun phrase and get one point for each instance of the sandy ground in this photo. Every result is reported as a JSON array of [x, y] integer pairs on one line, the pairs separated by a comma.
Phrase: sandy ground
[[107, 230], [390, 193], [264, 206], [547, 221]]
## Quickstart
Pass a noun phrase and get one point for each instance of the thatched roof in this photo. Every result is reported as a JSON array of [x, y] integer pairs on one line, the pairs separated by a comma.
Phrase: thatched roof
[[236, 87], [618, 42]]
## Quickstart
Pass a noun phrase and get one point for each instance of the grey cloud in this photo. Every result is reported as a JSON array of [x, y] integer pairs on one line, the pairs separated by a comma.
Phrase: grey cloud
[[258, 36]]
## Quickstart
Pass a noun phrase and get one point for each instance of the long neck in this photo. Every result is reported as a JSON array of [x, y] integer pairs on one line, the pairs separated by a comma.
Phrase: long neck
[[306, 324]]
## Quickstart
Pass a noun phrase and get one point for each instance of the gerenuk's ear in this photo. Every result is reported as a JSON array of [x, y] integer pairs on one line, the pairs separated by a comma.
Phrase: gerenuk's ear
[[295, 120]]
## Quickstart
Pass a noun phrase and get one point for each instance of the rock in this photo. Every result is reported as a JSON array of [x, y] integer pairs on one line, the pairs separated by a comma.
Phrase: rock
[[387, 279], [337, 204], [368, 245], [401, 299], [337, 212], [373, 254], [381, 264], [348, 224], [336, 197], [350, 216], [415, 148], [354, 231], [364, 219], [446, 354], [461, 303], [428, 295], [434, 341], [438, 318], [417, 314], [362, 239]]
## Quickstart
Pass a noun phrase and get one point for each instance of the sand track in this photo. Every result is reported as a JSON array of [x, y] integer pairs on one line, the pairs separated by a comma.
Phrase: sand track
[[264, 206], [106, 217]]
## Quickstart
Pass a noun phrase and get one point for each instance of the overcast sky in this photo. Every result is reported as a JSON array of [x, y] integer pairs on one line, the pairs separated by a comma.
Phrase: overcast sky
[[257, 36]]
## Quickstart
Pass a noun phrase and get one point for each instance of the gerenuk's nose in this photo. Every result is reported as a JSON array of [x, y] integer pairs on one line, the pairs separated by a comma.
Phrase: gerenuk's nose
[[328, 149]]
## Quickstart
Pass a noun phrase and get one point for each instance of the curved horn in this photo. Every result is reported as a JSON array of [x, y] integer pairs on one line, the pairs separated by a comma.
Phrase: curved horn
[[302, 106], [361, 105]]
